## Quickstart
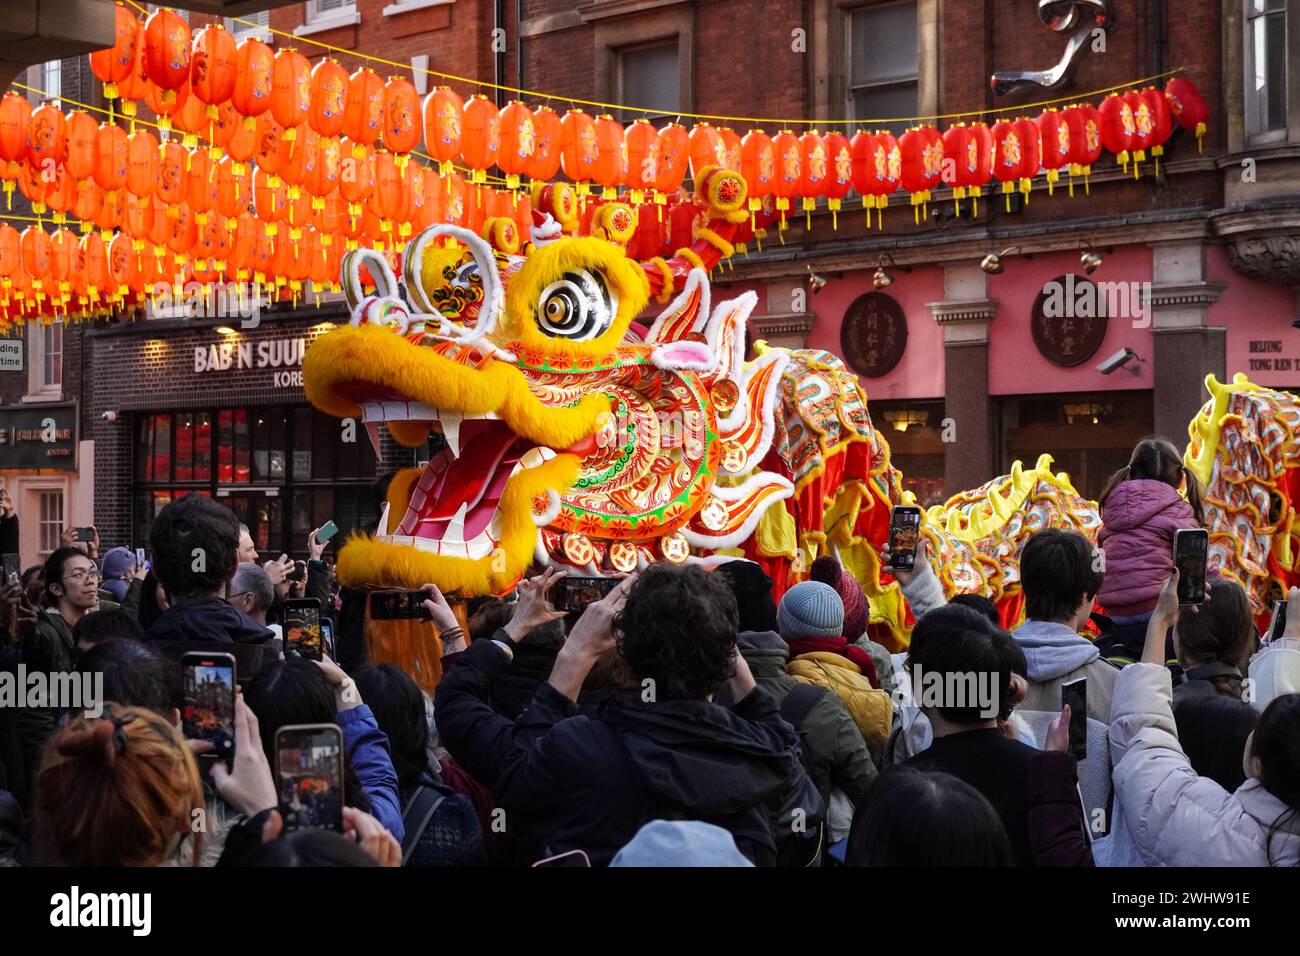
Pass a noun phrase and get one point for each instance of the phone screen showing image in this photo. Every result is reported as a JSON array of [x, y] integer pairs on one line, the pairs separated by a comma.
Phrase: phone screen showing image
[[1075, 693], [327, 638], [398, 605], [309, 775], [574, 594], [302, 629], [904, 534], [1278, 625], [209, 712], [1191, 547], [12, 569]]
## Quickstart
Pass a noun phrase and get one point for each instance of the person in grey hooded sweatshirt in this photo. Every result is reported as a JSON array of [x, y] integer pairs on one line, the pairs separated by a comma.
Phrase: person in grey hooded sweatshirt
[[1060, 578]]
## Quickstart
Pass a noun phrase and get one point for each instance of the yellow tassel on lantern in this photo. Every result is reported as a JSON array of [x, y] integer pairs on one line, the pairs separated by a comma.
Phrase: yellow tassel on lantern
[[1008, 188], [1053, 176], [809, 204], [834, 206], [1200, 135]]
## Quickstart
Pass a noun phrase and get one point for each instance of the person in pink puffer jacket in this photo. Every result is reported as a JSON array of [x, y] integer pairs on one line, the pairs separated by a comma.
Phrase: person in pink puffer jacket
[[1141, 508]]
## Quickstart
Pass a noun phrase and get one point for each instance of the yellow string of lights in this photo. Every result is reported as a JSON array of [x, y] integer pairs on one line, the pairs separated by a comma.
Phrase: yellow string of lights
[[771, 120]]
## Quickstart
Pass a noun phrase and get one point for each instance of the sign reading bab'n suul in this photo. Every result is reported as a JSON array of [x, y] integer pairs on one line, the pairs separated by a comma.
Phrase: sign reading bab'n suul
[[275, 354]]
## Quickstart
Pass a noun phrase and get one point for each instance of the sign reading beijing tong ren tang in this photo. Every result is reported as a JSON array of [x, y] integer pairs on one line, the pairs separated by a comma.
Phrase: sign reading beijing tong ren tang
[[1069, 320], [873, 334]]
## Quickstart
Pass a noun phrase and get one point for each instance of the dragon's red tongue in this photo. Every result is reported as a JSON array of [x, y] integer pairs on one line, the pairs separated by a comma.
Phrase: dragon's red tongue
[[475, 479]]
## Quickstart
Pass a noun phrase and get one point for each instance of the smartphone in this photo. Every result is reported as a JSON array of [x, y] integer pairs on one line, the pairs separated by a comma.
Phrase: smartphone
[[327, 638], [1191, 546], [398, 605], [83, 534], [13, 569], [309, 775], [141, 561], [299, 572], [1277, 626], [574, 594], [302, 632], [328, 530], [209, 714], [572, 858], [1075, 693], [904, 535]]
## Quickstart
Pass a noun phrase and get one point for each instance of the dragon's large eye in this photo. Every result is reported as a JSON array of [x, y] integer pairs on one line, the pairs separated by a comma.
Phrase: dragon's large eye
[[579, 306]]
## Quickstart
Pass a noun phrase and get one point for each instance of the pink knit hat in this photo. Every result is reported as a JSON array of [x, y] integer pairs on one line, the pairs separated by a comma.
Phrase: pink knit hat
[[857, 611]]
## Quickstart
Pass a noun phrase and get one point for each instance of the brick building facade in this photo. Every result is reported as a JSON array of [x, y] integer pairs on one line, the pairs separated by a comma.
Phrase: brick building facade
[[1212, 251]]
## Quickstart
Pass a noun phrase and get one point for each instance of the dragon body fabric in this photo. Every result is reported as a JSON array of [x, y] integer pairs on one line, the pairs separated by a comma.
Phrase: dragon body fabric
[[582, 435]]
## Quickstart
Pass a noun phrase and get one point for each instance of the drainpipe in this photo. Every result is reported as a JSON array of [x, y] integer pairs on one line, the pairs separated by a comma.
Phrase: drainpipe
[[519, 44], [499, 66]]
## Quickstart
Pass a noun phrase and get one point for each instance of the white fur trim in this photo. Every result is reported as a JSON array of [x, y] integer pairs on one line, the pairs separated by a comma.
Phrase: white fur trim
[[766, 408], [695, 278], [734, 539], [703, 361], [733, 312]]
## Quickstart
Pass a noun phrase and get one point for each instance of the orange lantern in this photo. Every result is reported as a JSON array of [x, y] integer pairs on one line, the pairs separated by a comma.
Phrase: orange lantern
[[290, 90], [63, 247], [114, 64], [35, 245], [85, 205], [270, 200], [200, 184], [435, 196], [182, 232], [812, 153], [323, 174], [1117, 128], [233, 187], [135, 85], [15, 115], [137, 217], [167, 103], [730, 152], [706, 149], [167, 50], [141, 163], [386, 199], [642, 158], [111, 210], [268, 135], [416, 197], [363, 109], [121, 264], [922, 153], [401, 116], [454, 208], [171, 176], [329, 92], [60, 192], [356, 177], [34, 185], [47, 142], [296, 160], [212, 67], [223, 128], [789, 169], [243, 142], [254, 70], [518, 141], [610, 156], [546, 148], [82, 140], [11, 259], [578, 147], [159, 226], [92, 258], [481, 136], [443, 126], [192, 117], [674, 155]]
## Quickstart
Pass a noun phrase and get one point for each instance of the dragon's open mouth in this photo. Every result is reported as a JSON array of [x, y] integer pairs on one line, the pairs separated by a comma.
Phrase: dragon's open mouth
[[452, 509]]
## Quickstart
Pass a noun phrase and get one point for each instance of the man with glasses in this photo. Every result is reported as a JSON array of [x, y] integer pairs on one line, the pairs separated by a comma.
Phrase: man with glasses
[[71, 592]]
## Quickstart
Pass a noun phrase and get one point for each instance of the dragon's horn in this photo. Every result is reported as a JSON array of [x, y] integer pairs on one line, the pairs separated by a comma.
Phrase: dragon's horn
[[493, 293]]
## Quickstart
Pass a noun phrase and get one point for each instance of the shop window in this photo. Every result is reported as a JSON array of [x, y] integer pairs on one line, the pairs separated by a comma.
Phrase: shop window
[[51, 522], [1266, 79], [883, 63], [52, 82], [256, 25], [914, 431]]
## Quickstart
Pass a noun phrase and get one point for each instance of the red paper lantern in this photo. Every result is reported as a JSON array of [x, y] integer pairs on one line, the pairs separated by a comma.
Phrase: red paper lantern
[[82, 140], [789, 169], [518, 141], [212, 65], [1033, 147], [1084, 121], [1162, 122], [481, 136], [443, 125], [642, 141], [11, 257], [15, 115], [960, 160], [270, 199], [706, 149], [812, 153], [674, 154], [114, 64], [234, 187], [86, 203], [171, 175], [92, 257], [385, 201], [922, 156], [363, 109], [254, 71], [454, 209], [60, 193], [1054, 135], [1118, 127], [610, 155], [63, 245], [839, 172], [297, 159], [357, 174], [401, 115], [200, 183], [323, 175], [547, 137], [1143, 127], [47, 137], [167, 103], [121, 264], [329, 92], [141, 163], [1187, 107], [290, 89], [757, 165], [111, 210], [243, 141], [167, 50], [35, 244], [268, 135], [1008, 156]]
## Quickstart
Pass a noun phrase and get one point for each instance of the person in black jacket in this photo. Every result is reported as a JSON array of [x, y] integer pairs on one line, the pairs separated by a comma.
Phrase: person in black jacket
[[194, 543], [661, 751]]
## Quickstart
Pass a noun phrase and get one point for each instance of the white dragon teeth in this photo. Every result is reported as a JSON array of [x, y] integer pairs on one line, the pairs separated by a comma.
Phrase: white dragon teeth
[[456, 529], [372, 429], [451, 430]]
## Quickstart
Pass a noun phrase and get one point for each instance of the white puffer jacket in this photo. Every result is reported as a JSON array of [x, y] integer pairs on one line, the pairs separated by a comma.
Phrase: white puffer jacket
[[1173, 816]]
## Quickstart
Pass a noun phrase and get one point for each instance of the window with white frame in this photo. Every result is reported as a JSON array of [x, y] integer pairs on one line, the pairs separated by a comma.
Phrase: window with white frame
[[45, 361], [256, 25], [883, 68], [650, 76], [51, 522], [52, 81], [329, 9], [1266, 69]]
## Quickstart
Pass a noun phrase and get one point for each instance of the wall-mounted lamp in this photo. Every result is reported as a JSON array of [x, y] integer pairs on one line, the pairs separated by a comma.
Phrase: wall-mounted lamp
[[880, 278], [992, 263]]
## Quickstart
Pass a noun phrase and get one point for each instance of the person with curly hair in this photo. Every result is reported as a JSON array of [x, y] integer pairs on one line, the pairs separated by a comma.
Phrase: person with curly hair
[[659, 749]]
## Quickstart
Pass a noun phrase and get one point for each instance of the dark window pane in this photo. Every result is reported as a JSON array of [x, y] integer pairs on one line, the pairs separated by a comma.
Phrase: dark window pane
[[225, 446], [277, 456], [162, 449], [884, 45], [203, 446], [325, 444], [184, 447], [242, 455], [302, 463], [301, 514], [259, 442]]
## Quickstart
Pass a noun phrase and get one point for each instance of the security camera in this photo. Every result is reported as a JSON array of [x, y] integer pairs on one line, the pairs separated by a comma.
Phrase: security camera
[[109, 416], [1118, 361]]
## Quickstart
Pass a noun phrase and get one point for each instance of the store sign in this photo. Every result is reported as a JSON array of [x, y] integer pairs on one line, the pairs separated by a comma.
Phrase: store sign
[[39, 436], [11, 355], [874, 334], [283, 354], [1069, 320], [1266, 356]]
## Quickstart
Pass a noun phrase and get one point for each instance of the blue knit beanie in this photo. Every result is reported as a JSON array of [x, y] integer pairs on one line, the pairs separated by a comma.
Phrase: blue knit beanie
[[811, 609], [680, 843]]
